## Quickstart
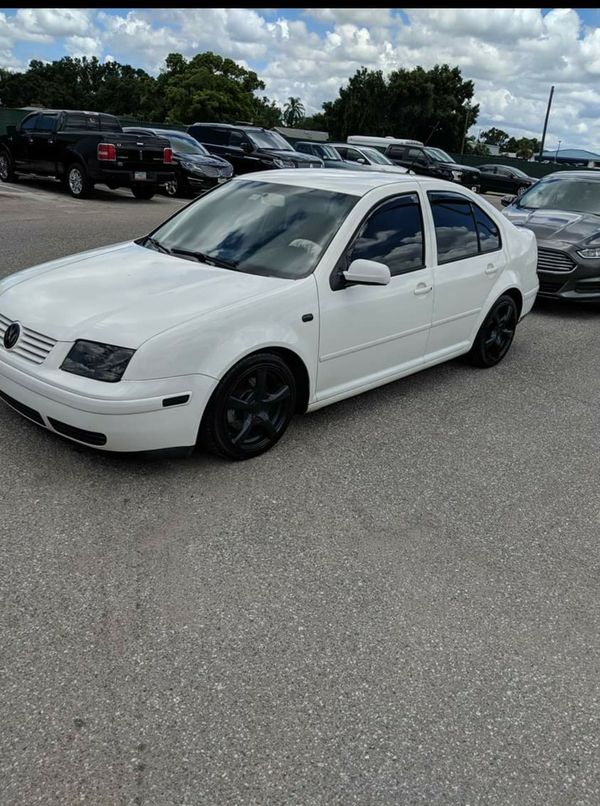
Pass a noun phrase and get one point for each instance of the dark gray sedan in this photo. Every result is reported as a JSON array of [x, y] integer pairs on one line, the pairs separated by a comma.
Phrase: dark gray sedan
[[563, 210]]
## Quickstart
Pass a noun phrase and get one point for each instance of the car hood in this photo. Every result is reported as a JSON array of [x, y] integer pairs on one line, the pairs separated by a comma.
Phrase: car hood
[[123, 294], [285, 154], [560, 226], [200, 159]]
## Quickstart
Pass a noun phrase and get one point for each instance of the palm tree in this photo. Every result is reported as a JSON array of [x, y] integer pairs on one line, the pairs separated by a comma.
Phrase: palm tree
[[293, 112]]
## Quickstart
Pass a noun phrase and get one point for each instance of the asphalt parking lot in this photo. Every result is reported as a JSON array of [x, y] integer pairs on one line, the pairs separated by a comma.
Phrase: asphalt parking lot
[[399, 604]]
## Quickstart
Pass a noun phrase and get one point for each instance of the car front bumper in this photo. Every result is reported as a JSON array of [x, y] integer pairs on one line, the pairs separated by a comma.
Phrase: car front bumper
[[135, 418]]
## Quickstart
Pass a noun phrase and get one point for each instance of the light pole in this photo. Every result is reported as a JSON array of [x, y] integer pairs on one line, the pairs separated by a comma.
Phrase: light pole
[[557, 150], [467, 123]]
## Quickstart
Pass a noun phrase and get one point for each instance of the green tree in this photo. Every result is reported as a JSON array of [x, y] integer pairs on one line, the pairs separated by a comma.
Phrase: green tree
[[494, 137], [293, 113], [428, 105]]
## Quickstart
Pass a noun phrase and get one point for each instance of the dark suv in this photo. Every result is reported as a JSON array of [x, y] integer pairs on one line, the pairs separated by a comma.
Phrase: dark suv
[[431, 161], [250, 148]]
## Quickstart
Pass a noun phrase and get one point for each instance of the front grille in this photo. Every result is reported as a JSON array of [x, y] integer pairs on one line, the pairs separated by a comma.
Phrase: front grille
[[550, 286], [89, 437], [550, 260], [211, 170], [23, 409], [32, 346]]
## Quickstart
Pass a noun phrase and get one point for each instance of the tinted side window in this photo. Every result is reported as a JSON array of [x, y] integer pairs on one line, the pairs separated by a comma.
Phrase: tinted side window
[[455, 229], [503, 172], [207, 134], [76, 121], [393, 235], [395, 152], [30, 123], [489, 235], [237, 138], [415, 154], [46, 123], [352, 154]]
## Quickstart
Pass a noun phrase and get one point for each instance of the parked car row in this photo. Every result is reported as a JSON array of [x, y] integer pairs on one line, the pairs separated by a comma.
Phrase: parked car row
[[83, 149]]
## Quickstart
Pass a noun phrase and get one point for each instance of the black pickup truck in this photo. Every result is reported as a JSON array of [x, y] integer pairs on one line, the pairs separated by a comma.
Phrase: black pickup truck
[[83, 149]]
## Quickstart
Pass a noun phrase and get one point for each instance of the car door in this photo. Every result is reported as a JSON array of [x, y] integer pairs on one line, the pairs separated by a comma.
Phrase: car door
[[370, 333], [43, 146], [353, 155], [469, 259], [489, 178], [21, 141], [505, 182]]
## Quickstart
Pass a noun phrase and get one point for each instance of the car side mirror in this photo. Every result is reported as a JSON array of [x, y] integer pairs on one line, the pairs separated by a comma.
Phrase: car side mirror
[[367, 272], [506, 200], [246, 148]]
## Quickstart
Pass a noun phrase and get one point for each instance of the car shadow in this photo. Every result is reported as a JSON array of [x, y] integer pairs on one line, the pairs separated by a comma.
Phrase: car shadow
[[101, 192], [570, 309]]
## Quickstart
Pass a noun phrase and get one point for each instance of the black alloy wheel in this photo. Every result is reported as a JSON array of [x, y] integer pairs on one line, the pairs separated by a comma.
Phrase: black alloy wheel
[[495, 334], [250, 409]]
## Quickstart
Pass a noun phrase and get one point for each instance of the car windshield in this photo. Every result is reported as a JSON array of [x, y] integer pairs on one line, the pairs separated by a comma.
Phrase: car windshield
[[376, 156], [257, 227], [268, 139], [575, 194], [438, 154], [186, 145]]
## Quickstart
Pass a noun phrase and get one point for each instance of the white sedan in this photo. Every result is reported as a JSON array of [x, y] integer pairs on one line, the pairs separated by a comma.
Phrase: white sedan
[[279, 292]]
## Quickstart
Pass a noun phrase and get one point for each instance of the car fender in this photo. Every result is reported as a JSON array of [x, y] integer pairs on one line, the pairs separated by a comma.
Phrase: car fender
[[213, 343]]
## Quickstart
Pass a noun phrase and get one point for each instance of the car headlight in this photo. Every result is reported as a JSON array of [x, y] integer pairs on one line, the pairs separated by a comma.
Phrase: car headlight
[[102, 362], [191, 166], [591, 252], [283, 163]]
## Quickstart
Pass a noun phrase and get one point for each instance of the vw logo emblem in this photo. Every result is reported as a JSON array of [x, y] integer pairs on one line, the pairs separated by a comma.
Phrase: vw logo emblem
[[12, 334]]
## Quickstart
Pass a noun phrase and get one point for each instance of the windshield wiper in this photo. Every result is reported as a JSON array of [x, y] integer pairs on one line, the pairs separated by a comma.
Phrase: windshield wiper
[[157, 245], [200, 256]]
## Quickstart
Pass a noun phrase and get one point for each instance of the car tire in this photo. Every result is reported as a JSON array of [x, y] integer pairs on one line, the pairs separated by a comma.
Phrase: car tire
[[78, 182], [177, 188], [496, 334], [250, 409], [143, 192], [7, 168]]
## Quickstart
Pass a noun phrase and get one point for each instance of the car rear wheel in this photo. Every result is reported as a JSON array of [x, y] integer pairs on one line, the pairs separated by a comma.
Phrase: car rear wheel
[[496, 334], [7, 171], [143, 191], [78, 182], [250, 409]]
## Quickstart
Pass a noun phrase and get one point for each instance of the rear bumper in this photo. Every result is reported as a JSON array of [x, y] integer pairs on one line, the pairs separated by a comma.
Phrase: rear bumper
[[127, 178], [140, 423]]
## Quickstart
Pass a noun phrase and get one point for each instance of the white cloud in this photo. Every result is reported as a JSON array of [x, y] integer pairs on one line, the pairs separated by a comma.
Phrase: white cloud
[[513, 55]]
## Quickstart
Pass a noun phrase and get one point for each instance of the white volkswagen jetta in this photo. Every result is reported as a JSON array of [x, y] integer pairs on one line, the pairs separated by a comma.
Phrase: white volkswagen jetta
[[279, 292]]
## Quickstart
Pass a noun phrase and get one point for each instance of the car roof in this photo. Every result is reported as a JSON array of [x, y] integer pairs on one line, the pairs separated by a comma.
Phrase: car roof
[[353, 183], [244, 126], [584, 174]]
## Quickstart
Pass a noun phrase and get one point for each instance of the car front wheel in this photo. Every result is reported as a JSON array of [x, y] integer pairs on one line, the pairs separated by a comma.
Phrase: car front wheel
[[496, 334], [250, 409]]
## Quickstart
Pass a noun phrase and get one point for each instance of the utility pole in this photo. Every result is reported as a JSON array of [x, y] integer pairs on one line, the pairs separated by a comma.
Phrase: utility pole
[[546, 123], [467, 116]]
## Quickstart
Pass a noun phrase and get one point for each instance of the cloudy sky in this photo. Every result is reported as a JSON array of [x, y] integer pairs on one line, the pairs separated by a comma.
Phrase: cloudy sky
[[512, 55]]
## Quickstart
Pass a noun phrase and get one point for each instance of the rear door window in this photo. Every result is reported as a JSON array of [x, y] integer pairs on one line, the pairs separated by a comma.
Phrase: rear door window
[[213, 135], [462, 228]]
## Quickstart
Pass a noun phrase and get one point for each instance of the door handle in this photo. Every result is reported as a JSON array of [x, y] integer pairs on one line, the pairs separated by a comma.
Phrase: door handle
[[422, 288], [491, 269]]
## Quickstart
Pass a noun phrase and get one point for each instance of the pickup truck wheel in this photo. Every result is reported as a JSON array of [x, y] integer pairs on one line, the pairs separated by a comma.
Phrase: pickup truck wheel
[[7, 171], [143, 191], [78, 181]]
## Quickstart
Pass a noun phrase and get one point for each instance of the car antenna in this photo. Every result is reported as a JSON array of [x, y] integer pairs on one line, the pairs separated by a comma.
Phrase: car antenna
[[431, 133]]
